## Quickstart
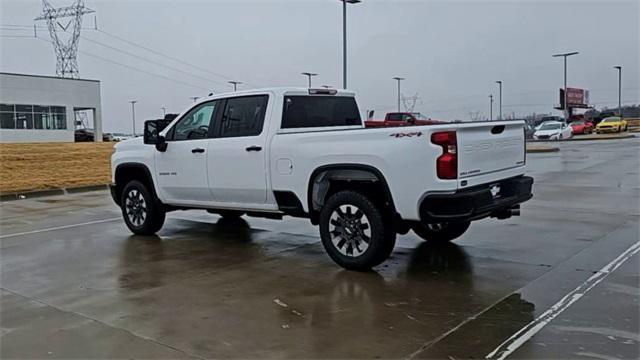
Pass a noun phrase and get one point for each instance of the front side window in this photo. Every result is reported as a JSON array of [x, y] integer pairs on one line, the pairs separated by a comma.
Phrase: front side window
[[194, 125], [244, 116], [319, 111]]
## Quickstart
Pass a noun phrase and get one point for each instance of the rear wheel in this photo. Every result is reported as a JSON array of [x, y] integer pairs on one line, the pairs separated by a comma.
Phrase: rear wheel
[[354, 231], [441, 232], [140, 210]]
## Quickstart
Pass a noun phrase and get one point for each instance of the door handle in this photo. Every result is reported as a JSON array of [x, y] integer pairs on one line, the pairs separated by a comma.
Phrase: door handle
[[254, 148], [197, 150]]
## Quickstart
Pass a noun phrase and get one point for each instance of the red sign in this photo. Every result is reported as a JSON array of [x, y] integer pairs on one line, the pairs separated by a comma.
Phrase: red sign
[[575, 97]]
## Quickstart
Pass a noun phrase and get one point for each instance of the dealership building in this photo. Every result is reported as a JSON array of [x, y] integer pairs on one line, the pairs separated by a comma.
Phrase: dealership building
[[36, 108]]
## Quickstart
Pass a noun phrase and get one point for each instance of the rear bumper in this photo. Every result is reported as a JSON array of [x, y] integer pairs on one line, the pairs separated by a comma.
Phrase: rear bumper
[[477, 202]]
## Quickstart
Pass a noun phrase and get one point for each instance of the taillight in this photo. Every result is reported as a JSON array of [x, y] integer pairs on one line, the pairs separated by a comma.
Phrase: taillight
[[447, 163]]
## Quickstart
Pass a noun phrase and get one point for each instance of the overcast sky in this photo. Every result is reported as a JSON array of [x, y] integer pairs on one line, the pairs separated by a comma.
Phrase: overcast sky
[[450, 52]]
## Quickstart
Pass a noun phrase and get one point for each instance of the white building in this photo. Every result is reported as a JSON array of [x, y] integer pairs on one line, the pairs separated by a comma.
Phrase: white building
[[36, 108]]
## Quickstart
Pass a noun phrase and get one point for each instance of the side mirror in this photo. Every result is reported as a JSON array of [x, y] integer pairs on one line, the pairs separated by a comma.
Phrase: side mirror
[[370, 114], [152, 129]]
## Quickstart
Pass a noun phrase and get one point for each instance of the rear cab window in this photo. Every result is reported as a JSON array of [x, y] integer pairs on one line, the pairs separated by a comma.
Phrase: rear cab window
[[243, 116], [300, 111]]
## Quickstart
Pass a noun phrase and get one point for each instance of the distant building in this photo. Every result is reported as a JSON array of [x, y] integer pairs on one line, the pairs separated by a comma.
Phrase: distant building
[[36, 108]]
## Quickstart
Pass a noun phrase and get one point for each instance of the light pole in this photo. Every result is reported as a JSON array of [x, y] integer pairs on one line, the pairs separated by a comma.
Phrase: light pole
[[344, 39], [619, 90], [490, 107], [309, 75], [164, 111], [398, 79], [133, 115], [566, 106], [235, 84], [499, 82]]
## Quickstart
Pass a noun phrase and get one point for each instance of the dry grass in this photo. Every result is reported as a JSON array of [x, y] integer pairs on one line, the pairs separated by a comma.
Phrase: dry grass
[[39, 166]]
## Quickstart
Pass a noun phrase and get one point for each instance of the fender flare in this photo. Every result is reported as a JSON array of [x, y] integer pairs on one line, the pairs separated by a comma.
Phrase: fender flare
[[376, 174], [148, 179]]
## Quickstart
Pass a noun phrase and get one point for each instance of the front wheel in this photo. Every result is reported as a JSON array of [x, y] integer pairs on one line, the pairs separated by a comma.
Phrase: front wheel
[[354, 231], [441, 232], [142, 214]]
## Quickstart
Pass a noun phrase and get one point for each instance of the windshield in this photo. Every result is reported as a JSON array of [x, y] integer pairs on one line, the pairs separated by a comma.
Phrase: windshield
[[419, 116], [611, 119], [577, 123], [550, 127], [549, 118]]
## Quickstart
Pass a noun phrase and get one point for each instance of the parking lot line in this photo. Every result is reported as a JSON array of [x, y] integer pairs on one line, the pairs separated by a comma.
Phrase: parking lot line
[[60, 227], [527, 332]]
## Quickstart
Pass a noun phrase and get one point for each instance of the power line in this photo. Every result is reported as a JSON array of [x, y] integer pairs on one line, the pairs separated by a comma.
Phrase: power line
[[145, 59], [152, 61], [134, 68], [16, 36], [167, 56], [137, 45]]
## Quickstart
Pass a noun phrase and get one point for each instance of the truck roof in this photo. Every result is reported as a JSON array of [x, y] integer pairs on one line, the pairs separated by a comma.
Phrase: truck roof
[[278, 91]]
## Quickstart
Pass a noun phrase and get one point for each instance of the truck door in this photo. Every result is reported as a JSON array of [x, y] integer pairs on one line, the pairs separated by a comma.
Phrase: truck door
[[237, 156], [182, 168]]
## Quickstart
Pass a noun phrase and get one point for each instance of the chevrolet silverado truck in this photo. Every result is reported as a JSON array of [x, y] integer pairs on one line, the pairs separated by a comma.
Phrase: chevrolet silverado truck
[[306, 153]]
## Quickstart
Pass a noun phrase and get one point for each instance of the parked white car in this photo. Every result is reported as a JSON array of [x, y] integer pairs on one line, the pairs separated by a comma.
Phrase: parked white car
[[306, 153], [553, 131]]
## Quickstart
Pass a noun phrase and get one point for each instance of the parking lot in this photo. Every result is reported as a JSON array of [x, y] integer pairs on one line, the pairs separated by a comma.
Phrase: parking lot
[[76, 283]]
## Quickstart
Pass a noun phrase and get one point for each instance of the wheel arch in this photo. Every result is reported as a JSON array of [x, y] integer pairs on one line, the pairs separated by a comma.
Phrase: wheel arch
[[322, 177], [126, 172]]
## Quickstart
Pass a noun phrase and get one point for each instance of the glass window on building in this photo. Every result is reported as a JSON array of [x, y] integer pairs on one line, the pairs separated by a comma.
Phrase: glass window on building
[[7, 120], [59, 117], [42, 117], [24, 116], [7, 116]]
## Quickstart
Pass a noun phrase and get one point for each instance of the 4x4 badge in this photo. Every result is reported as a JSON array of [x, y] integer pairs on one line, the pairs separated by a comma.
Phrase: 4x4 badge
[[411, 134]]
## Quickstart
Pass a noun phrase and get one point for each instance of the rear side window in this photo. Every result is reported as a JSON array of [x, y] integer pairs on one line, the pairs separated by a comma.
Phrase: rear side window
[[319, 111], [394, 117], [243, 116]]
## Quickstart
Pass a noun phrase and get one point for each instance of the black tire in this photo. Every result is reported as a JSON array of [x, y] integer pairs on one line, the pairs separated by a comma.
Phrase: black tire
[[441, 232], [140, 209], [355, 231], [230, 214]]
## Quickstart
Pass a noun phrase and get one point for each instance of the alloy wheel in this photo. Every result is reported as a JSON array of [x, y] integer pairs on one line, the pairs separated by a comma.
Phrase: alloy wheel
[[350, 230], [136, 207]]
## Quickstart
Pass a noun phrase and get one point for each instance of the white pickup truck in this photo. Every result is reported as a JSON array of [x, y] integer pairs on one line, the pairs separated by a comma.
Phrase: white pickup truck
[[305, 153]]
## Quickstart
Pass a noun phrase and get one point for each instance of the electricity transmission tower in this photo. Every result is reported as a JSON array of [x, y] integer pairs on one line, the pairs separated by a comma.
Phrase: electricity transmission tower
[[409, 102], [65, 47]]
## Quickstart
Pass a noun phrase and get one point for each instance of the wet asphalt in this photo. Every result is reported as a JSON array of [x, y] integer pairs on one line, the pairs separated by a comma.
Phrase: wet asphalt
[[76, 284]]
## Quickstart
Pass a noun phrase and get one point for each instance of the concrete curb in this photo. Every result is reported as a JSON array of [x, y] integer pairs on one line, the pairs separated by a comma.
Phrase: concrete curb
[[543, 150], [628, 136], [21, 195]]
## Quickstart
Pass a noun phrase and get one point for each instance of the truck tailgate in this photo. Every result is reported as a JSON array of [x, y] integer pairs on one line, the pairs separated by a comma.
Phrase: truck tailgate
[[490, 151]]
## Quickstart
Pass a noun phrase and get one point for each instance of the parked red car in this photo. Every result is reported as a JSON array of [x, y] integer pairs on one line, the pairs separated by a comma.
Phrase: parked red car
[[395, 119], [582, 127]]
